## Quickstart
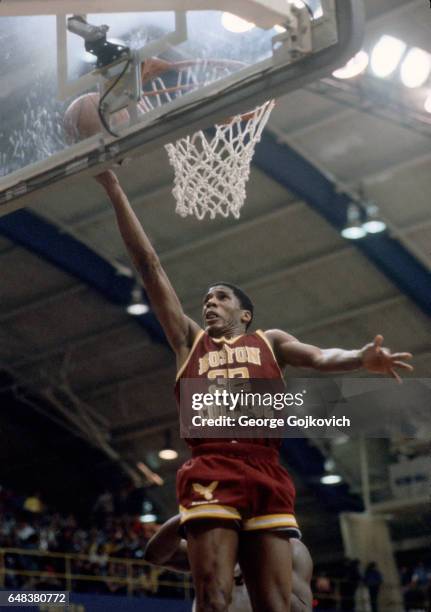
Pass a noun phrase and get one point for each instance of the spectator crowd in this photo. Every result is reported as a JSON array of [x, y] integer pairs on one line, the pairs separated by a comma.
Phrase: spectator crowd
[[416, 585], [343, 587], [112, 536], [26, 523]]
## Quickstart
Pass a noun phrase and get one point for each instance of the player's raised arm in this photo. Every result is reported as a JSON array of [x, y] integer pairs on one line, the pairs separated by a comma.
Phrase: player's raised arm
[[372, 357], [179, 329]]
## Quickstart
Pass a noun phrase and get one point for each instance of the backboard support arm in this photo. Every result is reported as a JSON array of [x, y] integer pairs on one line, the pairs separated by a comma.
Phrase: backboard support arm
[[68, 89]]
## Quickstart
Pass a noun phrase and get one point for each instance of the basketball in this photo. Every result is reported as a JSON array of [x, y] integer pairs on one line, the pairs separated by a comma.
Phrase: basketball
[[81, 119]]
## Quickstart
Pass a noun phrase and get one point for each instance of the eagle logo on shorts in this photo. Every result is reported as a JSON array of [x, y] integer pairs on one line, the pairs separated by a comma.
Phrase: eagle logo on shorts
[[206, 492]]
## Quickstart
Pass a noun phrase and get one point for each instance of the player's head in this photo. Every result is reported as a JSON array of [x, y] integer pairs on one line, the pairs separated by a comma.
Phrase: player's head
[[226, 307]]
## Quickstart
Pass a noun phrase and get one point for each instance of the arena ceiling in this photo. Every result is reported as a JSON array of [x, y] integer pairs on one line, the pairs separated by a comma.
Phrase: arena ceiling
[[65, 337]]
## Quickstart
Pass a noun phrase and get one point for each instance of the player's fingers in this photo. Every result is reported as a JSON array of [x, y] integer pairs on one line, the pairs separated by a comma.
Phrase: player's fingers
[[378, 341], [402, 356], [395, 375], [404, 366]]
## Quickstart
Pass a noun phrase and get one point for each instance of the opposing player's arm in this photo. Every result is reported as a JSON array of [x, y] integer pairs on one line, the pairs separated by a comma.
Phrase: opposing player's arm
[[372, 357], [302, 572], [179, 329], [167, 549]]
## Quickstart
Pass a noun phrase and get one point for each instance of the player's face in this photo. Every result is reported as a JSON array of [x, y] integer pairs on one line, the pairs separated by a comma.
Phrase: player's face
[[222, 311]]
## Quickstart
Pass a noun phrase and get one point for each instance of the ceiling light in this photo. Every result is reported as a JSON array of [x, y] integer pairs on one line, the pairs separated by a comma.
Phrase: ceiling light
[[232, 23], [373, 224], [148, 518], [137, 305], [355, 66], [331, 479], [168, 453], [137, 309], [353, 229], [415, 68], [353, 233], [386, 55], [427, 104]]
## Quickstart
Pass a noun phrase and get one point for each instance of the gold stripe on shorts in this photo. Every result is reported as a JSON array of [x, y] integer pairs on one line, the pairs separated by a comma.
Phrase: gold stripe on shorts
[[208, 511], [270, 521]]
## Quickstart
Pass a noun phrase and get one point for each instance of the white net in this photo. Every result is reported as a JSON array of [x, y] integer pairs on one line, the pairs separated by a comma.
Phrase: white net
[[211, 171]]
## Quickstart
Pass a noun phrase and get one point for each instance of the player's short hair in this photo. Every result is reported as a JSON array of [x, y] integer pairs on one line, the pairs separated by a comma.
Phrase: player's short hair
[[244, 301]]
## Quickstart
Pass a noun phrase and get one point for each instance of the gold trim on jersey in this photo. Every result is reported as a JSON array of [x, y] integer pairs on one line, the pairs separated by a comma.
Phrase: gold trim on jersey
[[258, 332], [229, 340], [209, 511], [194, 345], [270, 521], [261, 334]]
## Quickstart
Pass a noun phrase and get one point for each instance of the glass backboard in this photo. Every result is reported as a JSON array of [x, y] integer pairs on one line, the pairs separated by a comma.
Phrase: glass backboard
[[231, 64]]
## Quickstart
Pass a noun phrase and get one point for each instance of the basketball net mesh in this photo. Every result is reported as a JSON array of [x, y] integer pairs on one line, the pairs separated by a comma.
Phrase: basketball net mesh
[[211, 172]]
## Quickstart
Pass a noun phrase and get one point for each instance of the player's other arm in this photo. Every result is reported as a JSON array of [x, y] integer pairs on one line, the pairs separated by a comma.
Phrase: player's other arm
[[179, 329], [372, 357], [167, 549]]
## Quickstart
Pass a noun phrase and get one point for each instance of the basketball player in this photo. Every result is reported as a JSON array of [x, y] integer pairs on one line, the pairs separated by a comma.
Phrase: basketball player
[[229, 482], [167, 549]]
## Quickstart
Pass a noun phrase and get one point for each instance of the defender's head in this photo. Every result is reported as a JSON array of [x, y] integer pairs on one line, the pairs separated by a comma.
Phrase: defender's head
[[226, 310]]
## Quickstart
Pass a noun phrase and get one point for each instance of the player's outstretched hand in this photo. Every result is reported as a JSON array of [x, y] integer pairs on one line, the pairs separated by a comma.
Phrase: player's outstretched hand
[[379, 360], [107, 179]]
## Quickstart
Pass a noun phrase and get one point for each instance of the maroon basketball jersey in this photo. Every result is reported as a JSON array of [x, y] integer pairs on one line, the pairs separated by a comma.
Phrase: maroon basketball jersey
[[246, 356]]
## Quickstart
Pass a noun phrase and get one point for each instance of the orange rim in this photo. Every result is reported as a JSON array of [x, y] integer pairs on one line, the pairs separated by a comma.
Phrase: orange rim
[[154, 68]]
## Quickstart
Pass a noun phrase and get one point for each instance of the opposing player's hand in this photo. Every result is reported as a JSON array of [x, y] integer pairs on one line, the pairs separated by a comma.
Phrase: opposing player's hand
[[152, 67], [379, 360], [107, 179]]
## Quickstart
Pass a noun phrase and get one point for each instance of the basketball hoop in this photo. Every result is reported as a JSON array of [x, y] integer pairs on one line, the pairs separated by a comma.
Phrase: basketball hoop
[[163, 81], [211, 172], [211, 169]]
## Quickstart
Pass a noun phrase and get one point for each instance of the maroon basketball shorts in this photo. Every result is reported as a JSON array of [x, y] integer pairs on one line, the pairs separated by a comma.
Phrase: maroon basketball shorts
[[239, 482]]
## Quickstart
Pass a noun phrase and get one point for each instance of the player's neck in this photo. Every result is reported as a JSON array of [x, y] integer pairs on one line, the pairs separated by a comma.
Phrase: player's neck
[[230, 332]]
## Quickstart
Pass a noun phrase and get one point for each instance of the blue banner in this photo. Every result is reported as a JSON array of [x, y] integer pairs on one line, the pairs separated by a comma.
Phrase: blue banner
[[108, 603]]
